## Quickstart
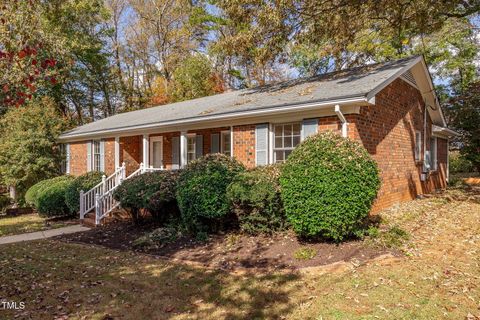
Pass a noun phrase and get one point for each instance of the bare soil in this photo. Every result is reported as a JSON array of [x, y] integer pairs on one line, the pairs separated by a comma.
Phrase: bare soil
[[231, 250]]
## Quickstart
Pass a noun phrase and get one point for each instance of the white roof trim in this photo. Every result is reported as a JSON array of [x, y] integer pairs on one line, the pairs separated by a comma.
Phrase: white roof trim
[[437, 130]]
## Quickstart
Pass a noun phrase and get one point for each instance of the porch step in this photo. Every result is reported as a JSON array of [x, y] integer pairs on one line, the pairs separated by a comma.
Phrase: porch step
[[115, 215], [89, 220]]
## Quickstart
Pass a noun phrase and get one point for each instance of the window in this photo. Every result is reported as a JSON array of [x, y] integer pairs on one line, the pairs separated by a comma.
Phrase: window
[[191, 154], [65, 151], [433, 153], [226, 143], [286, 138], [418, 145], [96, 156]]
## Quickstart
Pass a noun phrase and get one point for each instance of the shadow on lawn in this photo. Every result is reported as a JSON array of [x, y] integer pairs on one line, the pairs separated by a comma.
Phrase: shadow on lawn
[[55, 280], [170, 291]]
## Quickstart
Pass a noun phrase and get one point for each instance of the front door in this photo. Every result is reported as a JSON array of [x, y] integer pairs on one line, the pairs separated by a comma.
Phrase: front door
[[156, 152]]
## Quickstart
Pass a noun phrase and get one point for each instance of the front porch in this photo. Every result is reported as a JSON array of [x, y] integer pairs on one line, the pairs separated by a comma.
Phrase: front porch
[[169, 150]]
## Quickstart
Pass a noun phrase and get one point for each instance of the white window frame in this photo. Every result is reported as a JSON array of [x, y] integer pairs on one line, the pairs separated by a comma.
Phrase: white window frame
[[273, 138], [418, 145], [433, 153], [152, 140], [194, 137], [65, 151], [223, 139], [94, 165]]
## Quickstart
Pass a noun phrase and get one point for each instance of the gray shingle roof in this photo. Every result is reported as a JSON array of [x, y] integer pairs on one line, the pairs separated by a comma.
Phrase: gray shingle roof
[[355, 82]]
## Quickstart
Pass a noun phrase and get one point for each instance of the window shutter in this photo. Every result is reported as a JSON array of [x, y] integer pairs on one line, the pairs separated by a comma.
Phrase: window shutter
[[309, 127], [176, 153], [261, 144], [214, 143], [67, 158], [89, 156], [198, 146], [102, 155]]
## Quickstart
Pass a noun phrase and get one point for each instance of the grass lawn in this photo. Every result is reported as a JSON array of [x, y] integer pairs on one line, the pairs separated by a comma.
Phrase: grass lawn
[[439, 278], [26, 223]]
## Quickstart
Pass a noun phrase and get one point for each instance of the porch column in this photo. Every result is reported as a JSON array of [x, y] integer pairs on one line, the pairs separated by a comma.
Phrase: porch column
[[183, 149], [146, 146], [117, 153]]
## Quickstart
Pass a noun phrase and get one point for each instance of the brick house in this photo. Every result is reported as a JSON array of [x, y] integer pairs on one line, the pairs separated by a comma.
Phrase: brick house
[[391, 108]]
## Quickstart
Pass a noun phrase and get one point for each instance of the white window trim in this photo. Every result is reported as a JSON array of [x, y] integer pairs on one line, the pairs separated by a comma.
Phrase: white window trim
[[68, 155], [191, 135], [92, 154], [222, 141], [271, 142], [152, 140], [419, 146]]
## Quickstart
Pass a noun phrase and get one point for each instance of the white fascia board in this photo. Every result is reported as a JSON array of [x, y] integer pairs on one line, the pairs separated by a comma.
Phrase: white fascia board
[[230, 116], [443, 132]]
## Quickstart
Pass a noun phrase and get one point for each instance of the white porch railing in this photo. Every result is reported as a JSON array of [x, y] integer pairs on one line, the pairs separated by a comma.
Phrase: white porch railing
[[101, 198]]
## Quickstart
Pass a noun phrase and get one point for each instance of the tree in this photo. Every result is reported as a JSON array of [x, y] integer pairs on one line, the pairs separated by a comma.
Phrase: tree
[[30, 55], [194, 78], [464, 114], [28, 148]]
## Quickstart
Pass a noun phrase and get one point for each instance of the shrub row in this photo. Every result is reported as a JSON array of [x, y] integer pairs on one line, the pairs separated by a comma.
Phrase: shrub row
[[48, 196], [325, 189], [60, 196]]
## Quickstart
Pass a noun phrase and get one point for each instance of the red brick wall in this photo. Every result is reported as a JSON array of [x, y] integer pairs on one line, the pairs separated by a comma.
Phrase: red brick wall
[[244, 144], [78, 158], [387, 130], [131, 152], [109, 156]]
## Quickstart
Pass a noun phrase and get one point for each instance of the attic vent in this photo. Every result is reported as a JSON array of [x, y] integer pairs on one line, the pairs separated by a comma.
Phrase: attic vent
[[409, 77]]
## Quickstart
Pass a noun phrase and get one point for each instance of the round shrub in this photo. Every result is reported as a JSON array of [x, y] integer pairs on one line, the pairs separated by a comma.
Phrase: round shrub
[[50, 200], [84, 182], [328, 186], [31, 197], [201, 191], [153, 191], [256, 200]]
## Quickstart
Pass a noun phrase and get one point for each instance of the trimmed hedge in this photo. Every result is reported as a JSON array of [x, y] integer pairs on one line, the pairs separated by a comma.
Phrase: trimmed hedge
[[84, 182], [50, 200], [328, 186], [256, 200], [31, 197], [201, 192], [153, 191]]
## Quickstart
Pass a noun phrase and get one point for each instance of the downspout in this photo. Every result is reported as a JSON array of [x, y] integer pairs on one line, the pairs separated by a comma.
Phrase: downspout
[[343, 119], [424, 134]]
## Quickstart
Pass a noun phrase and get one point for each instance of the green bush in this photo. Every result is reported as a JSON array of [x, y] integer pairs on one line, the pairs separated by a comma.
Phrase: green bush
[[256, 200], [84, 182], [5, 201], [201, 192], [153, 191], [328, 186], [51, 198], [458, 163], [31, 197]]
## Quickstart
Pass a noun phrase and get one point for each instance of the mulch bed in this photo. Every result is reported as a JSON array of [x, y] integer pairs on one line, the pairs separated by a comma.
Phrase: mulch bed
[[231, 251]]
